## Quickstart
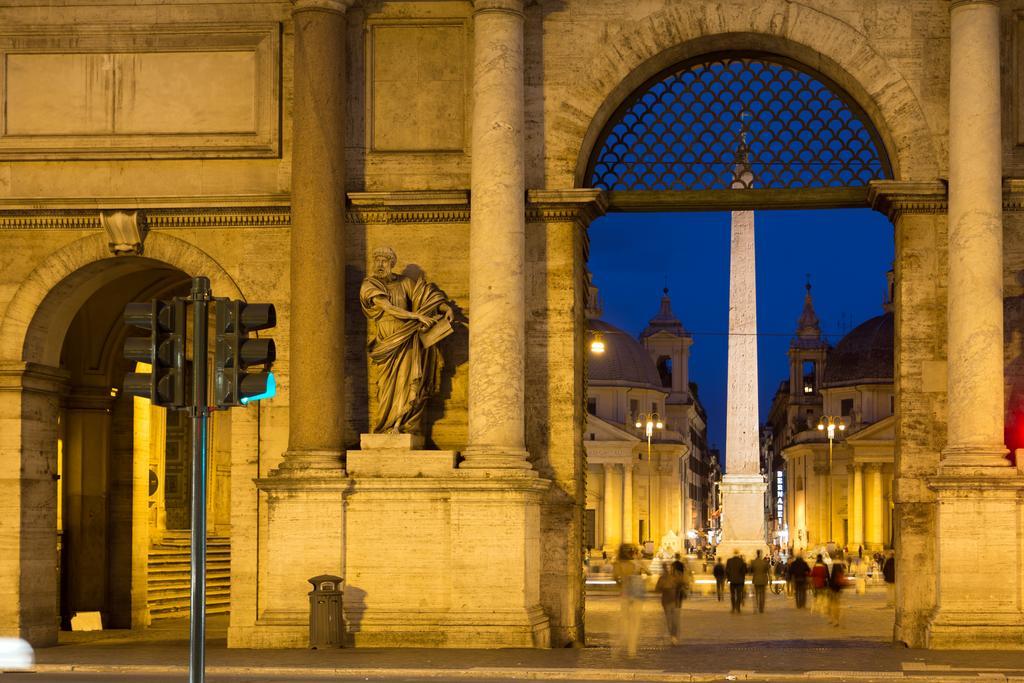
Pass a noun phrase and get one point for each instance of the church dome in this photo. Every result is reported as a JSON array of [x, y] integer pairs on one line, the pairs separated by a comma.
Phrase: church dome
[[864, 355], [625, 362]]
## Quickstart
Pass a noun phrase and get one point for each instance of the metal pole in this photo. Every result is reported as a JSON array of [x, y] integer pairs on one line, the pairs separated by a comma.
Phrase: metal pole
[[197, 601]]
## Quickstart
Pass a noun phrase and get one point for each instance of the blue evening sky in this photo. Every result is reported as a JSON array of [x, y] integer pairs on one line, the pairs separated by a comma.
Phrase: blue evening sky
[[846, 251]]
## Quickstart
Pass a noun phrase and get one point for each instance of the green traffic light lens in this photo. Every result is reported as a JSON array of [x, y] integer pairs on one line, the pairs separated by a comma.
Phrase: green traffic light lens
[[264, 381]]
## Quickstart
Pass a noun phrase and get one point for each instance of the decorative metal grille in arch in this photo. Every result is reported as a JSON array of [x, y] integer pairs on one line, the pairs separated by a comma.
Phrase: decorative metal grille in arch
[[683, 129]]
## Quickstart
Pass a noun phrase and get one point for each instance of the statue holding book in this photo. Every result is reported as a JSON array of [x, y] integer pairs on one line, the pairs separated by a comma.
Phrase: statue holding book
[[411, 316]]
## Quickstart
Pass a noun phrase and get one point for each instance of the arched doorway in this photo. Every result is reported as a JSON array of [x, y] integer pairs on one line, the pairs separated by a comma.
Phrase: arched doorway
[[104, 437], [87, 507], [735, 130]]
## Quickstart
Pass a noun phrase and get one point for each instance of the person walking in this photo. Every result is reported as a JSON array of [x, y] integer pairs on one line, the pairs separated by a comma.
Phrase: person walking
[[889, 574], [797, 575], [672, 587], [719, 573], [837, 581], [628, 573], [819, 583], [760, 575], [736, 572]]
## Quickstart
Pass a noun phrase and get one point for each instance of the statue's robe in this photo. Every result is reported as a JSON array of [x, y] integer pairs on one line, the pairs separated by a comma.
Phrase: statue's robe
[[407, 372]]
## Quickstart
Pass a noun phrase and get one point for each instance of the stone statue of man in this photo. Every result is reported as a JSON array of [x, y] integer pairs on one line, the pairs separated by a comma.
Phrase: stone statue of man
[[412, 315]]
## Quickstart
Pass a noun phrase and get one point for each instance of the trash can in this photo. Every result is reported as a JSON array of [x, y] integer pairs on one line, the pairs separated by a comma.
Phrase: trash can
[[326, 622]]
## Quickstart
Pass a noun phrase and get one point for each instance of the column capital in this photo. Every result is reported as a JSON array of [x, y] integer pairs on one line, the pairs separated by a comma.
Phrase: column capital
[[873, 467], [507, 6], [957, 4], [336, 6]]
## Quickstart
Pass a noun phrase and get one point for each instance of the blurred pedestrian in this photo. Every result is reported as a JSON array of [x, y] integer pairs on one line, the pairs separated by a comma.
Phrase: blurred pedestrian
[[797, 575], [672, 587], [719, 573], [837, 581], [889, 574], [819, 584], [760, 575], [736, 572], [628, 572], [782, 574]]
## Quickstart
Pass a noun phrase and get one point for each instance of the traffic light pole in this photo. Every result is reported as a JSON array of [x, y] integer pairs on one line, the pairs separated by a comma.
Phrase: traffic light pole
[[199, 412]]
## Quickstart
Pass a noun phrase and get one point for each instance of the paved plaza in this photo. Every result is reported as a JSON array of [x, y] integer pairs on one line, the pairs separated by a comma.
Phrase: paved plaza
[[782, 644]]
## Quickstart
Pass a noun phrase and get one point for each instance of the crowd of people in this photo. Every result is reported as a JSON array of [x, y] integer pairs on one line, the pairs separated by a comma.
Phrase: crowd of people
[[825, 580]]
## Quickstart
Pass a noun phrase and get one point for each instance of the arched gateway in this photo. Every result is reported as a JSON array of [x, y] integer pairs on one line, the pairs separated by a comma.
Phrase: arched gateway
[[478, 139]]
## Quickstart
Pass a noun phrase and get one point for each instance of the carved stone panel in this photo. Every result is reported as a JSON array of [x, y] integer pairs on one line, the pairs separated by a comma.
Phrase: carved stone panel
[[416, 78], [193, 91]]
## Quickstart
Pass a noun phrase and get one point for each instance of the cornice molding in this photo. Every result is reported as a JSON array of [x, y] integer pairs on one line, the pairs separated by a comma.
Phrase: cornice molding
[[430, 206], [1013, 194], [35, 378], [163, 218], [895, 198], [582, 206]]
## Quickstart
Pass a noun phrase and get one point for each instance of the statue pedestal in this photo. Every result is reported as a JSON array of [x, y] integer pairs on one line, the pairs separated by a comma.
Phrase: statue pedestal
[[474, 580], [397, 455]]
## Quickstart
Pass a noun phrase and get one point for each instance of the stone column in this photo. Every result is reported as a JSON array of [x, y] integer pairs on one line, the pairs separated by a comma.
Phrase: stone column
[[317, 317], [627, 504], [976, 488], [855, 503], [875, 510], [975, 293], [497, 243], [612, 510], [304, 518], [743, 486]]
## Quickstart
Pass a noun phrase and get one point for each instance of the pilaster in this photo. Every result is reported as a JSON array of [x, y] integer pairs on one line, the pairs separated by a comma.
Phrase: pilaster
[[30, 396]]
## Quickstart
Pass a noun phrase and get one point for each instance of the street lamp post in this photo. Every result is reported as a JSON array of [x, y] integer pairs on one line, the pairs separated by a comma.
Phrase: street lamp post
[[830, 423], [649, 422]]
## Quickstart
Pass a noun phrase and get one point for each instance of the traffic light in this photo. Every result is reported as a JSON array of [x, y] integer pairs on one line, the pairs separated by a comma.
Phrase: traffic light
[[235, 353], [163, 350]]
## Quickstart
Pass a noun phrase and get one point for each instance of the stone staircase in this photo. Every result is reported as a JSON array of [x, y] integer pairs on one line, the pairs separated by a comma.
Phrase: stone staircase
[[170, 580]]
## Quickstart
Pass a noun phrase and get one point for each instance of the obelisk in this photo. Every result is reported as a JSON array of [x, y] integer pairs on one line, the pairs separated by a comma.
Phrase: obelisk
[[743, 486]]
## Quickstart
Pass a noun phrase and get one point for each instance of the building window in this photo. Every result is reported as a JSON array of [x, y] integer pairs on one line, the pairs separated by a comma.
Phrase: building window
[[591, 405], [846, 407], [809, 377], [634, 409], [892, 405], [665, 371]]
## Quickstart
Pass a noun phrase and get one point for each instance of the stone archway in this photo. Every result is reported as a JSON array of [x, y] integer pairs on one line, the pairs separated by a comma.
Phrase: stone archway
[[34, 323], [913, 200], [33, 393], [823, 42]]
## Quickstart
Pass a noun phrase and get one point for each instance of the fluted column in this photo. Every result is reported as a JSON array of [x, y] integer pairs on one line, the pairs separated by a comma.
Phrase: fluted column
[[975, 295], [497, 243], [317, 318], [874, 508], [627, 504]]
